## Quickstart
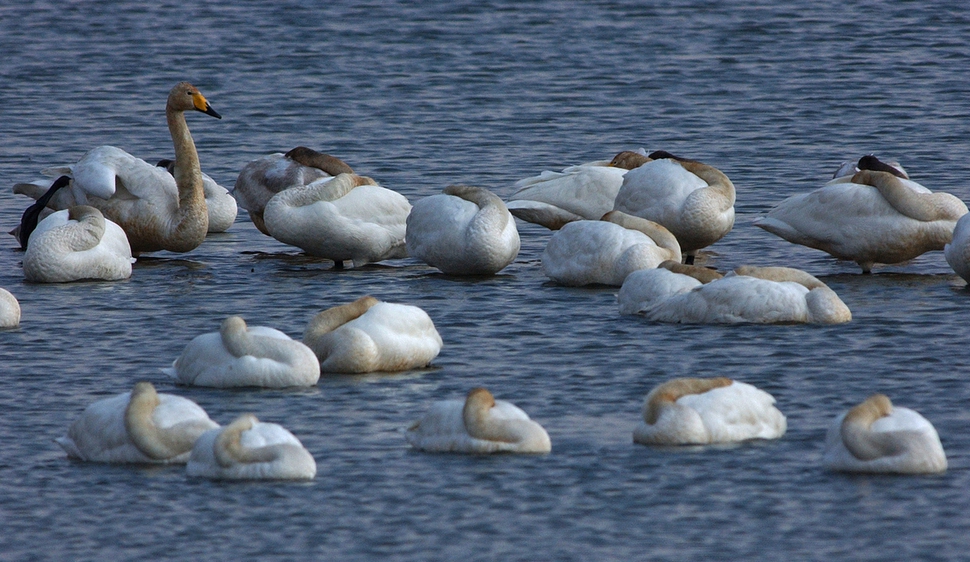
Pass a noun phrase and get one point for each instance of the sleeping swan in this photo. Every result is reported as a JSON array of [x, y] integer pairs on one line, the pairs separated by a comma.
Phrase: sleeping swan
[[694, 201], [266, 176], [693, 411], [368, 335], [875, 436], [606, 251], [553, 199], [463, 231], [238, 355], [9, 310], [141, 426], [76, 244], [478, 424], [764, 295], [248, 449], [156, 211], [348, 217], [876, 215]]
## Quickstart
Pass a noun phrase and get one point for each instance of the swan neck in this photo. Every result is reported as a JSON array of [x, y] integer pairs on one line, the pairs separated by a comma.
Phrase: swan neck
[[857, 434], [141, 428], [191, 221], [662, 237], [781, 274], [229, 450], [666, 395], [332, 318]]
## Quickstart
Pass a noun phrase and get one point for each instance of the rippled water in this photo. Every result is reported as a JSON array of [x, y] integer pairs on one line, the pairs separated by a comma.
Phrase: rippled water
[[485, 93]]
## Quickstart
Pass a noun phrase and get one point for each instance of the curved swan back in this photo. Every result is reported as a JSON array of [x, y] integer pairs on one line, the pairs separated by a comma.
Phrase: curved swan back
[[918, 206], [9, 310], [703, 274], [660, 235], [780, 274]]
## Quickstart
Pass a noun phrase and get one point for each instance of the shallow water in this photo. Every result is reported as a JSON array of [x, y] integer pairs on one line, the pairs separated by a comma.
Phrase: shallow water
[[486, 93]]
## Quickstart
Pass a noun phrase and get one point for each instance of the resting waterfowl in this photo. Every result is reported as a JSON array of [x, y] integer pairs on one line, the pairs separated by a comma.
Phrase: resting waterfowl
[[264, 177], [248, 449], [9, 310], [220, 205], [479, 424], [606, 251], [463, 231], [77, 244], [141, 426], [368, 335], [876, 436], [694, 201], [348, 217], [872, 216], [32, 215], [957, 252], [694, 411], [553, 199], [239, 355], [764, 295]]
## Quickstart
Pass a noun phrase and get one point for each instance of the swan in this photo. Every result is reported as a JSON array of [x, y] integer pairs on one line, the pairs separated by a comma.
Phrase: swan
[[368, 335], [347, 217], [872, 216], [264, 177], [77, 244], [478, 424], [606, 251], [763, 295], [692, 411], [463, 231], [553, 199], [156, 211], [248, 449], [220, 205], [957, 252], [9, 310], [694, 201], [239, 355], [141, 426], [32, 214], [875, 436]]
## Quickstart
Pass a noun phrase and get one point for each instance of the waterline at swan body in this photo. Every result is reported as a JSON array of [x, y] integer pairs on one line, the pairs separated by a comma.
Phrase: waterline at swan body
[[478, 425], [248, 449], [141, 426]]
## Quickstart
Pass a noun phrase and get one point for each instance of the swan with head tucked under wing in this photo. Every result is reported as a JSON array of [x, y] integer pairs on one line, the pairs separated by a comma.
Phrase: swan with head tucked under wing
[[874, 215], [693, 411], [264, 177], [347, 217], [220, 205], [583, 192], [479, 424], [77, 244], [876, 436], [606, 251], [368, 335], [156, 210], [141, 426], [248, 449], [764, 295], [239, 355], [694, 201], [463, 231], [9, 310]]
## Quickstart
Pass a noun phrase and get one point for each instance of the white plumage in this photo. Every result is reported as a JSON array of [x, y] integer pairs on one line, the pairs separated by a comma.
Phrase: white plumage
[[76, 244], [957, 252], [9, 310], [248, 449]]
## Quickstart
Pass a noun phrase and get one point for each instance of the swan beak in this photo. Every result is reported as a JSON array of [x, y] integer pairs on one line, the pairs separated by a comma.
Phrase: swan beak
[[200, 103]]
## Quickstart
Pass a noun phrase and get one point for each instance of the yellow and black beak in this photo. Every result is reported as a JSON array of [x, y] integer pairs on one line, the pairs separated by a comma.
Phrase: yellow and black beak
[[198, 100]]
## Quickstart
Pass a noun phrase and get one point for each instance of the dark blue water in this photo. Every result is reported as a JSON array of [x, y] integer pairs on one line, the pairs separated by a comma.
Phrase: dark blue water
[[774, 94]]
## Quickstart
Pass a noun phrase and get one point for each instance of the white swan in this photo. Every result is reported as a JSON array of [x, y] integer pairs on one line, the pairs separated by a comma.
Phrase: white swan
[[264, 177], [692, 411], [77, 244], [762, 295], [156, 211], [553, 199], [875, 436], [348, 217], [239, 355], [463, 231], [141, 426], [694, 201], [957, 252], [9, 310], [478, 424], [606, 251], [368, 335], [876, 215], [220, 205], [248, 449]]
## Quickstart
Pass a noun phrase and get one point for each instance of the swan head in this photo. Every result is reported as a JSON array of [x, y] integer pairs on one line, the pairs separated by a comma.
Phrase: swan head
[[868, 412], [28, 221], [703, 274], [870, 162], [186, 97], [629, 160]]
